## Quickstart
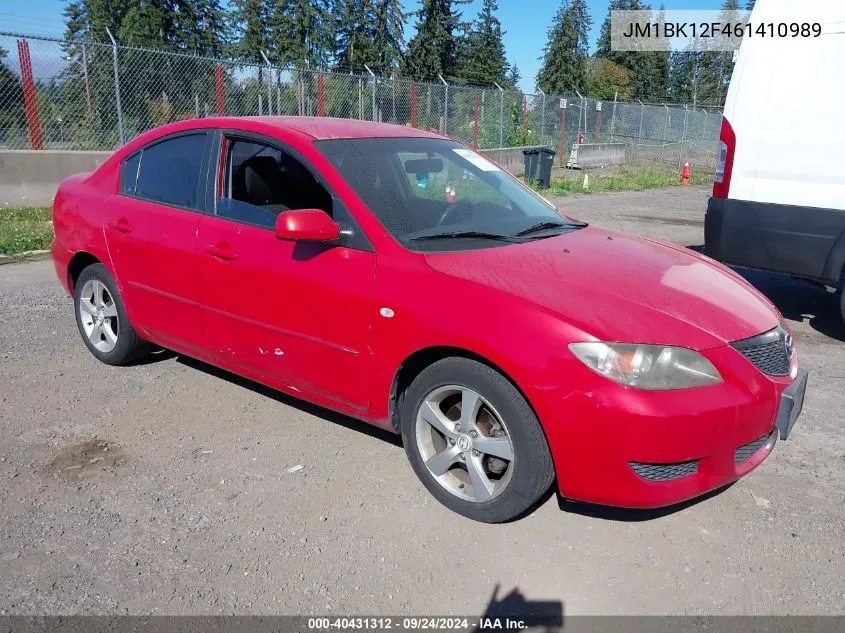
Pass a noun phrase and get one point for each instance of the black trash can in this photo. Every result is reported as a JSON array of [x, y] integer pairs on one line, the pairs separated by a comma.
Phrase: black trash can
[[538, 165]]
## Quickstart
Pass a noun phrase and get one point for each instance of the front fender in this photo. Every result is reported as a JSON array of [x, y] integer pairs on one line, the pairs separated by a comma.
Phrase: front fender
[[526, 342]]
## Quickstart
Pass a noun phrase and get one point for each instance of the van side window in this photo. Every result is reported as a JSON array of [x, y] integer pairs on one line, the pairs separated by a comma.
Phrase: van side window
[[261, 181]]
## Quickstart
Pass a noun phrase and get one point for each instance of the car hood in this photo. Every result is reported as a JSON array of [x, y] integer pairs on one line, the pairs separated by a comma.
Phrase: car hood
[[621, 288]]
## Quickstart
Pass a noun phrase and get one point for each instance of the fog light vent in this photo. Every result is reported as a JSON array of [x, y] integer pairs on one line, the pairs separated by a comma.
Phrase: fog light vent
[[665, 472]]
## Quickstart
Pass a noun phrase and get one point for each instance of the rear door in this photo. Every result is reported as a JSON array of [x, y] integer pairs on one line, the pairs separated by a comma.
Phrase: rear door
[[151, 227], [296, 313]]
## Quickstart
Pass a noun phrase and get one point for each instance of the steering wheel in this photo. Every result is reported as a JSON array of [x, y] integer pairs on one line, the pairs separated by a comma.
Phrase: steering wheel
[[453, 210]]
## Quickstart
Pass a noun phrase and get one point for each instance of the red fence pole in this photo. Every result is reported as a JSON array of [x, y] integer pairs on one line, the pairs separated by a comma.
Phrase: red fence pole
[[475, 124], [36, 140], [524, 113], [413, 104], [598, 122], [562, 136], [321, 95], [219, 90]]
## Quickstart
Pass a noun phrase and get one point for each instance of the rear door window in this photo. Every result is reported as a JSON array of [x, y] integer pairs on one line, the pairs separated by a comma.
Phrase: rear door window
[[170, 171]]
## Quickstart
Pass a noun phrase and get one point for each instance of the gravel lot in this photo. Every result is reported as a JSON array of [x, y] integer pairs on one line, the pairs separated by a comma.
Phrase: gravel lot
[[163, 488]]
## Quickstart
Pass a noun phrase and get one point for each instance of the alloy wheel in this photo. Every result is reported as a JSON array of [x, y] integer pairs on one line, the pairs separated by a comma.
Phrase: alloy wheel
[[98, 315], [464, 443]]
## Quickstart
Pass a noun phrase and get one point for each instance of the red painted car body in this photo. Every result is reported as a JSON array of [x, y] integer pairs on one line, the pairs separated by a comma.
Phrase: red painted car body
[[517, 306]]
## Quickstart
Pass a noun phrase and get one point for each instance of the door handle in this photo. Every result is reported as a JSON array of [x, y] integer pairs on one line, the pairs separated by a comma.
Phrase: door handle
[[221, 251], [121, 225]]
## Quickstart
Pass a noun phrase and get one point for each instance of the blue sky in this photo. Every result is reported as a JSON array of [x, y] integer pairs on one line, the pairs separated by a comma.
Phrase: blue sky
[[525, 23]]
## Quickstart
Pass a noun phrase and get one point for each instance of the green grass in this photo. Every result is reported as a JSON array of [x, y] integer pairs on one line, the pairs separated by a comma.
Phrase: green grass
[[635, 181], [25, 229]]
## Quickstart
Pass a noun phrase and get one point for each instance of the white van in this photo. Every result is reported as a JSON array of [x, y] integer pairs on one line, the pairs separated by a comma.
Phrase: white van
[[779, 197]]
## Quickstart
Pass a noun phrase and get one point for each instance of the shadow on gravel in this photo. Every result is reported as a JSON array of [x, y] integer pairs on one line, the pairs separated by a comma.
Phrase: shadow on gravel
[[320, 412], [520, 613], [797, 299], [629, 515]]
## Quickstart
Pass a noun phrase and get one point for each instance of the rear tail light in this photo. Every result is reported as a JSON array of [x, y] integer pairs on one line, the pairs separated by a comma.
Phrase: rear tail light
[[724, 168]]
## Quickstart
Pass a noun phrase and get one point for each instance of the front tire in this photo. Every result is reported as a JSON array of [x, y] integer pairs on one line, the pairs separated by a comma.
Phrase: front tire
[[101, 319], [474, 441]]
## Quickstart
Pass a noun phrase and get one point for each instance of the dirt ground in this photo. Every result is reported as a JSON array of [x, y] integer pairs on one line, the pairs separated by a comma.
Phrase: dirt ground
[[166, 488]]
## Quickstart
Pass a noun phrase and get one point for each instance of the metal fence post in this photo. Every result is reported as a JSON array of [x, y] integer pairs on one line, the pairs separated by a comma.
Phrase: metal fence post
[[445, 106], [640, 133], [269, 85], [613, 116], [501, 115], [87, 80], [542, 116], [665, 134], [116, 88], [373, 77], [683, 138], [581, 97]]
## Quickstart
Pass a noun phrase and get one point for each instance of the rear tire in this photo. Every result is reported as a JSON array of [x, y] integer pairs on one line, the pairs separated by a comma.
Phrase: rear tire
[[474, 441], [101, 319]]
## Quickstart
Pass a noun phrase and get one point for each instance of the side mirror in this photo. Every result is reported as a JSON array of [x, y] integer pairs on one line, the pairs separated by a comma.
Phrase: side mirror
[[306, 225]]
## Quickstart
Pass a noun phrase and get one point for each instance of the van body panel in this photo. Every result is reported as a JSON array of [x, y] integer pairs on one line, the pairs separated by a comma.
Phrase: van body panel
[[803, 241], [785, 209]]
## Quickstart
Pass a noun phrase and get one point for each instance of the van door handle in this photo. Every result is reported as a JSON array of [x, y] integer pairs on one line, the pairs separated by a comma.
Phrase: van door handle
[[221, 251], [121, 225]]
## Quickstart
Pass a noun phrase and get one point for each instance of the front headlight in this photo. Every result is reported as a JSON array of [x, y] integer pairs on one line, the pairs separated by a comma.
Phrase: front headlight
[[652, 367]]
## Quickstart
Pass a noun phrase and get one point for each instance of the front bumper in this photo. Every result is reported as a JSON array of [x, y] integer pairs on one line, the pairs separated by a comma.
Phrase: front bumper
[[606, 439]]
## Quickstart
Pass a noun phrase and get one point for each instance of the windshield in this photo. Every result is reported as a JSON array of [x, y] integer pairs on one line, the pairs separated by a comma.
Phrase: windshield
[[427, 191]]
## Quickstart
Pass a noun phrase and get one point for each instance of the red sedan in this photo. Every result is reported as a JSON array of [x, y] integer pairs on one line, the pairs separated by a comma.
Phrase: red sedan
[[401, 278]]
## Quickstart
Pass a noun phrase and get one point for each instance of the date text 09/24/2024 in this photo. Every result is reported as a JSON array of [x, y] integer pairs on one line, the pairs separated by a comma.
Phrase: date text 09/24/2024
[[417, 623]]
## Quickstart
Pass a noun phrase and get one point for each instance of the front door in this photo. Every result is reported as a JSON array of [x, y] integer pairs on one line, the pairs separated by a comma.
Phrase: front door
[[298, 314]]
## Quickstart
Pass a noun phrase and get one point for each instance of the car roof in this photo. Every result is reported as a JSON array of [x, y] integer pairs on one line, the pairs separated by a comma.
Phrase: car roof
[[327, 127], [313, 127]]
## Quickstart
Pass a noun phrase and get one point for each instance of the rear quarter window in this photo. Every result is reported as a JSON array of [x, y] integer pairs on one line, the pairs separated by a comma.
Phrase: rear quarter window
[[129, 174]]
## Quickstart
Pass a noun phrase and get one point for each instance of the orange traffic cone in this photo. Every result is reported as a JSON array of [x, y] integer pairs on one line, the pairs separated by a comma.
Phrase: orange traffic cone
[[685, 174]]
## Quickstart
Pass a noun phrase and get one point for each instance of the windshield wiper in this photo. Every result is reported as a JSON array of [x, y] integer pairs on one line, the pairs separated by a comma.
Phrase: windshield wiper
[[542, 226], [460, 234]]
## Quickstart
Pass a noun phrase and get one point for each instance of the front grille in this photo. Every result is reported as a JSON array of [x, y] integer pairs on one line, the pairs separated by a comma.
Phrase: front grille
[[769, 352], [665, 472], [747, 450]]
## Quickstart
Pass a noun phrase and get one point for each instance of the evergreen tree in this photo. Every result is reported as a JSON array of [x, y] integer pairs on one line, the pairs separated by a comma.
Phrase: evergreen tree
[[656, 63], [356, 46], [10, 87], [750, 5], [302, 32], [648, 71], [716, 68], [90, 18], [210, 28], [388, 36], [481, 54], [603, 43], [432, 50], [564, 57], [513, 77], [684, 71], [251, 20], [145, 24]]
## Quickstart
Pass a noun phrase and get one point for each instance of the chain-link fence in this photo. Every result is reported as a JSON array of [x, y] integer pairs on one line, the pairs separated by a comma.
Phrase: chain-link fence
[[93, 95]]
